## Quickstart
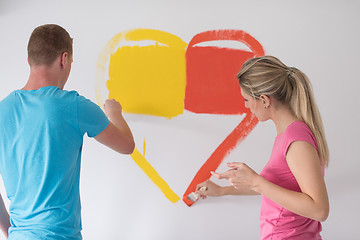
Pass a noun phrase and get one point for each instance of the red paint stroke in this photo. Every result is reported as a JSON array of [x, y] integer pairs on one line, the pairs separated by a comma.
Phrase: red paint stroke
[[212, 88], [230, 142], [211, 71]]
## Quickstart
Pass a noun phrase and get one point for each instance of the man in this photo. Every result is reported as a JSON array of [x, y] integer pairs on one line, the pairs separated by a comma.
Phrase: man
[[42, 128]]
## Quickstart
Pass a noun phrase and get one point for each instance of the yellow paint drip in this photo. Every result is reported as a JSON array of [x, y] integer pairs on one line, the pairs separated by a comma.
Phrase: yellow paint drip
[[144, 148], [154, 176]]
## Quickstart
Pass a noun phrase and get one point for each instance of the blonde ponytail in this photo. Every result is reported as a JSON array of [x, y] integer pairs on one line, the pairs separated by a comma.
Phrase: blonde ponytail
[[267, 75], [304, 106]]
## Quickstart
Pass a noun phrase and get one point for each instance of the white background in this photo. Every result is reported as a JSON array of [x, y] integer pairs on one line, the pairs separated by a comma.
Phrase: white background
[[119, 201]]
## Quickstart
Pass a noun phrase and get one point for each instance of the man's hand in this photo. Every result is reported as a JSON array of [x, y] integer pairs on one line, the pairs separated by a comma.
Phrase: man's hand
[[117, 135], [112, 108]]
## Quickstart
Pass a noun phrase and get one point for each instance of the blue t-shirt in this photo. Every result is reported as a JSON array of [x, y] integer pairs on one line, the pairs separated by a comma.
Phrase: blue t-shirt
[[40, 150]]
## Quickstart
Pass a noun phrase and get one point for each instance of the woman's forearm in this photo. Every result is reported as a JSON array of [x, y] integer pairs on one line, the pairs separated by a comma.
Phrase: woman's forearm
[[312, 202], [215, 190], [230, 190]]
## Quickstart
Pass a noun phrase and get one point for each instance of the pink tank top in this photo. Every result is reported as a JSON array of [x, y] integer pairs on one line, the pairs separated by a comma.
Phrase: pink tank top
[[277, 222]]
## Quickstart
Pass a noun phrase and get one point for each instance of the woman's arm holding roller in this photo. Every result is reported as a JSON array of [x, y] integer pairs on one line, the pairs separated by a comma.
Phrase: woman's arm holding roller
[[215, 190], [303, 161]]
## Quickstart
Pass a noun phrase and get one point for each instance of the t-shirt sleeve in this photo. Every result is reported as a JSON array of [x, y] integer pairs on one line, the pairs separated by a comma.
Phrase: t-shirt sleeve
[[298, 132], [91, 118]]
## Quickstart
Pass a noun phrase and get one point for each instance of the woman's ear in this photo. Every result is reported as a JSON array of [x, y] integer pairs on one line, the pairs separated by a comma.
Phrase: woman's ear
[[265, 100]]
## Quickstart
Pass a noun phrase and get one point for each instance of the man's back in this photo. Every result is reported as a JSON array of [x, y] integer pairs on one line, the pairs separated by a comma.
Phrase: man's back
[[42, 134]]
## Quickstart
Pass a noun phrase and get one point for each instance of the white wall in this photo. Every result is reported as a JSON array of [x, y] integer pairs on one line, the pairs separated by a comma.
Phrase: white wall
[[119, 201]]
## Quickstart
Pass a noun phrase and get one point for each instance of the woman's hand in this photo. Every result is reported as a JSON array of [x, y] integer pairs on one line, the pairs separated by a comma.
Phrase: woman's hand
[[240, 176], [208, 188]]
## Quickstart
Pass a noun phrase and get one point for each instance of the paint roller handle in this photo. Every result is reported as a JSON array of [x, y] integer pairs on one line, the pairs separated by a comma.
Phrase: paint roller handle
[[117, 135]]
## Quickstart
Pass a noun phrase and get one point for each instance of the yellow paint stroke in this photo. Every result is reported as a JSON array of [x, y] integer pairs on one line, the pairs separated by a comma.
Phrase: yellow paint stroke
[[149, 79], [154, 176], [144, 148], [101, 68], [145, 80]]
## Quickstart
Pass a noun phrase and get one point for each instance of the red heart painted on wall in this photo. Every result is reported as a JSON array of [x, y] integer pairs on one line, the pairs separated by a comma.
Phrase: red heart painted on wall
[[168, 77]]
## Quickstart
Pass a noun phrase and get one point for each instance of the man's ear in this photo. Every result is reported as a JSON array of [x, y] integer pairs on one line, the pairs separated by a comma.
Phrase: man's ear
[[64, 59]]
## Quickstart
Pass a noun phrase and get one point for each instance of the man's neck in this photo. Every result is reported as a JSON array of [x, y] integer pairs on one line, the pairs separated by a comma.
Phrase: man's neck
[[42, 77]]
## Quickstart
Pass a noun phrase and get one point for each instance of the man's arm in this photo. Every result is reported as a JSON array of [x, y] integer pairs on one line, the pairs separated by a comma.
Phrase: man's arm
[[117, 135], [4, 218]]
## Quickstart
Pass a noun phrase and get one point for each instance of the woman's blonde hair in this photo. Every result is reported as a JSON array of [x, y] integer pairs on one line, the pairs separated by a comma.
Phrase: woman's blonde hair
[[268, 76]]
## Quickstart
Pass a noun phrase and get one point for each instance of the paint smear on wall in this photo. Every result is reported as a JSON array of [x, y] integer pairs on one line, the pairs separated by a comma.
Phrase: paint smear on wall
[[212, 87], [153, 175], [211, 71], [149, 79], [164, 78], [145, 79]]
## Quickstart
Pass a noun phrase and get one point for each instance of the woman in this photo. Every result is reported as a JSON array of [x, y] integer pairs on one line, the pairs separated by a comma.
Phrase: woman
[[294, 196]]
